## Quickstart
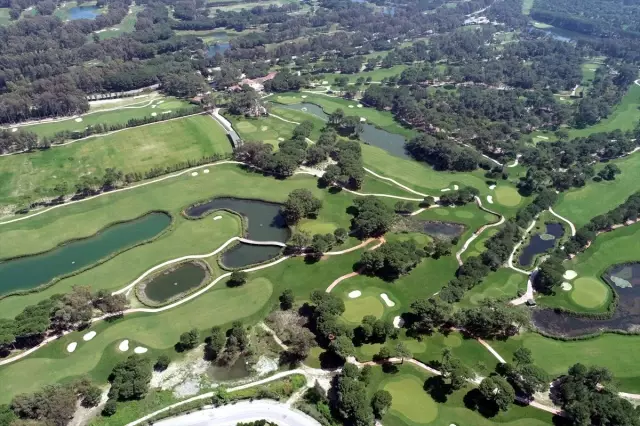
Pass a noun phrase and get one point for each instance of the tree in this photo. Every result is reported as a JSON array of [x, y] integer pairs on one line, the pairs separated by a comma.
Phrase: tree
[[53, 404], [373, 217], [189, 339], [110, 303], [299, 240], [91, 396], [522, 356], [300, 203], [342, 346], [427, 314], [130, 378], [402, 351], [215, 343], [322, 243], [383, 354], [497, 390], [609, 172], [549, 275], [340, 235], [162, 363], [301, 341], [381, 402], [110, 408], [237, 279], [455, 371], [286, 299]]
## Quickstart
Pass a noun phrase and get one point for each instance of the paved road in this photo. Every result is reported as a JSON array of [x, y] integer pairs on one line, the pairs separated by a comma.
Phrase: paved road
[[230, 415]]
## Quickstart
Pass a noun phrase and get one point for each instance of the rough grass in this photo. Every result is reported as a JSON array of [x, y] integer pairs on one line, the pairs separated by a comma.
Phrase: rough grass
[[596, 198], [133, 150], [376, 75]]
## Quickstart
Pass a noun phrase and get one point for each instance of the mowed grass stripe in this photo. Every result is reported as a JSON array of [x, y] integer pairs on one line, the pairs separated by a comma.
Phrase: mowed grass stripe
[[133, 150]]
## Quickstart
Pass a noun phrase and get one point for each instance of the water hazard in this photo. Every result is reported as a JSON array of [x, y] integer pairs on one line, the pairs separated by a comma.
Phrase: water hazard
[[264, 223], [26, 273], [390, 142], [446, 230], [540, 243], [175, 281], [83, 12], [625, 280]]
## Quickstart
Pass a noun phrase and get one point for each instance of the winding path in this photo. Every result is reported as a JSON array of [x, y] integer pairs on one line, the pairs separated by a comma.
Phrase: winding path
[[513, 252], [571, 225], [479, 231], [353, 274]]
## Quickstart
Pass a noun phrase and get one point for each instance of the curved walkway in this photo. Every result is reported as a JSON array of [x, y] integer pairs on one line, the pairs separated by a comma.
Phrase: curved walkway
[[406, 188], [528, 295], [513, 252], [479, 231], [516, 162], [353, 274], [571, 225]]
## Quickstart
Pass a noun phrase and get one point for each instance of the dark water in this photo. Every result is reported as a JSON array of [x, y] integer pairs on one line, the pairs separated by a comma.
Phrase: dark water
[[28, 272], [238, 370], [83, 12], [219, 47], [442, 229], [625, 279], [171, 283], [264, 222], [538, 245], [390, 142]]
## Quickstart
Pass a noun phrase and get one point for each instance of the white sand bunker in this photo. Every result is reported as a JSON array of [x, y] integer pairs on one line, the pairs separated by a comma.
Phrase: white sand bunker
[[123, 346], [72, 347], [456, 187], [281, 139], [359, 105], [350, 106], [153, 106], [166, 112], [386, 299], [90, 335], [78, 120], [445, 190], [569, 274], [140, 350], [194, 174], [325, 82], [153, 114], [264, 128], [362, 119], [566, 286], [492, 187], [489, 199], [304, 96], [398, 322], [217, 218], [15, 129], [205, 171], [354, 294]]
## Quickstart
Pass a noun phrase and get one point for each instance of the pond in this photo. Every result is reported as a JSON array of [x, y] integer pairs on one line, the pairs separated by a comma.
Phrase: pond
[[625, 280], [264, 223], [175, 281], [540, 243], [371, 135], [219, 47], [238, 370], [28, 272], [83, 12], [443, 230]]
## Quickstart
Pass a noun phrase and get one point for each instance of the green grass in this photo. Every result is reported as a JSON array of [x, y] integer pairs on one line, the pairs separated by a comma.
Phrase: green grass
[[503, 283], [413, 406], [127, 25], [134, 109], [507, 196], [589, 292], [619, 353], [370, 302], [596, 198], [132, 150], [4, 16], [526, 6], [376, 75]]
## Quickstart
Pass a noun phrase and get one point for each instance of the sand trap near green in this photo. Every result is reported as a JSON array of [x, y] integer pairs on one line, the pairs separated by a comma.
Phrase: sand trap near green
[[508, 196], [356, 309], [410, 400], [589, 292]]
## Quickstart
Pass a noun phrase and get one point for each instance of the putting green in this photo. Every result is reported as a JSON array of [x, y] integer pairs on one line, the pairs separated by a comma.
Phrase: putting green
[[357, 308], [416, 346], [244, 126], [453, 340], [589, 292], [441, 212], [410, 400], [463, 214], [508, 196]]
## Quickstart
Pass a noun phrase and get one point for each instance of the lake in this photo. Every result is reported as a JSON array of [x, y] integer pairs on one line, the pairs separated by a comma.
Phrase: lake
[[83, 12], [540, 243], [174, 281]]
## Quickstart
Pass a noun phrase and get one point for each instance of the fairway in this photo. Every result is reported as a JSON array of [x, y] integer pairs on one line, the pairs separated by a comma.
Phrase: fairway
[[508, 196], [410, 400], [138, 149], [589, 292]]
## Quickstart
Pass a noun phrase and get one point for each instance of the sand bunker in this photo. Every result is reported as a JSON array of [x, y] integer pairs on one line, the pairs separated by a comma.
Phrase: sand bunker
[[354, 294], [398, 322], [123, 346], [489, 199], [72, 347], [166, 112], [281, 139], [304, 96], [78, 120], [386, 299], [359, 105], [90, 335], [205, 171], [153, 106], [350, 106], [140, 350], [456, 187], [325, 82], [362, 119], [492, 187], [194, 174], [569, 274], [566, 286], [153, 114], [264, 128], [217, 218], [445, 190], [15, 129]]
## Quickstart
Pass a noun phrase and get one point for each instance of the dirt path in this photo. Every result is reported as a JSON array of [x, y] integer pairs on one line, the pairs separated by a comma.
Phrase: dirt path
[[479, 231], [353, 274], [571, 225]]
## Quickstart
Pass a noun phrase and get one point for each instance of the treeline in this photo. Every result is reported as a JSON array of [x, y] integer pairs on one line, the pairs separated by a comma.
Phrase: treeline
[[59, 313], [629, 211], [24, 140]]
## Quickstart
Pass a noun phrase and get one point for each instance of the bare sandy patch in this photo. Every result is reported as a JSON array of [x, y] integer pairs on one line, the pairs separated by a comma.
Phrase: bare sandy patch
[[398, 322], [205, 171], [123, 346], [354, 294], [569, 274], [390, 303], [194, 174], [217, 218], [140, 350], [78, 120], [72, 347], [490, 199], [90, 335], [566, 286]]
